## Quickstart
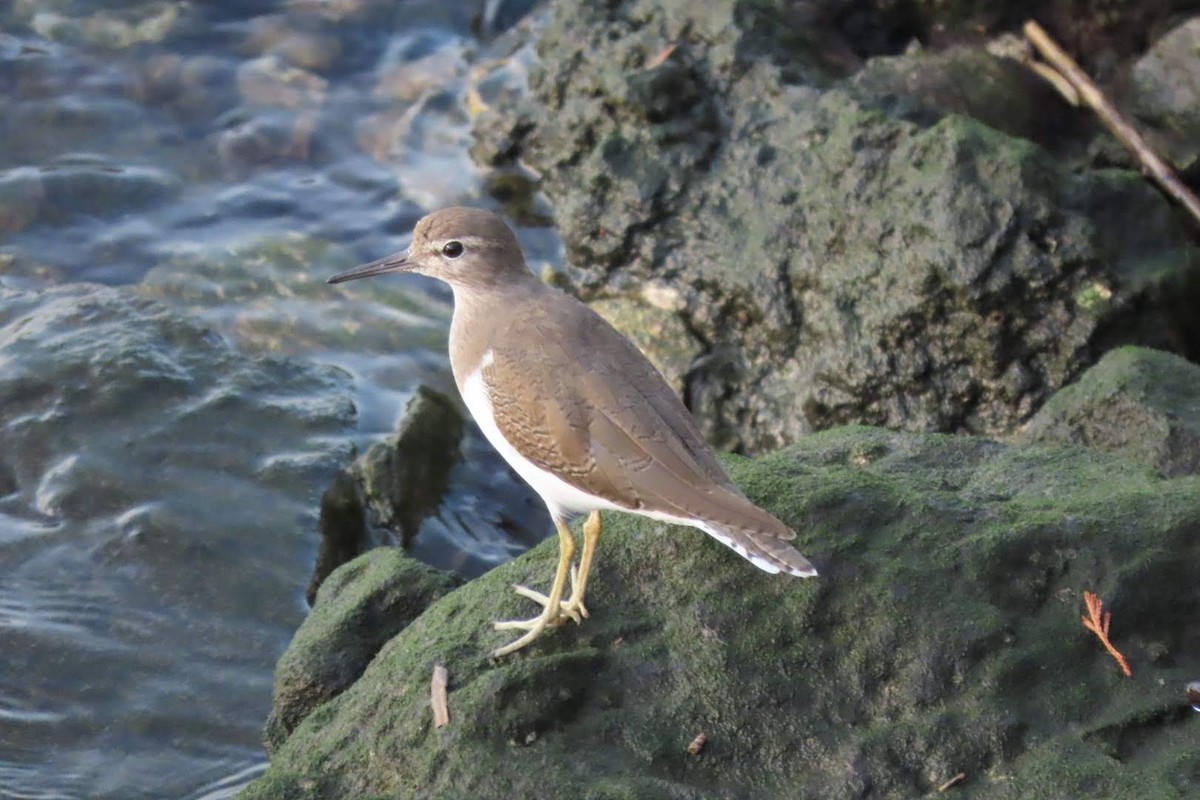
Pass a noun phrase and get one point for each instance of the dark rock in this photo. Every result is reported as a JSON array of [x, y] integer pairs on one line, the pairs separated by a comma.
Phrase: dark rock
[[343, 529], [1142, 404], [836, 264], [1165, 92], [943, 636], [997, 91], [405, 477], [359, 608], [497, 16], [400, 481]]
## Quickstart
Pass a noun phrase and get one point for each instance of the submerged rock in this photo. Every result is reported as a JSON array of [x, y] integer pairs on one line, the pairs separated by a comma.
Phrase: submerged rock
[[1143, 404], [943, 636], [68, 187], [131, 24]]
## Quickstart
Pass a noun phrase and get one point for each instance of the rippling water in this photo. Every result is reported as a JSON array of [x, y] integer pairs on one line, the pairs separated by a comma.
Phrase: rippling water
[[177, 383]]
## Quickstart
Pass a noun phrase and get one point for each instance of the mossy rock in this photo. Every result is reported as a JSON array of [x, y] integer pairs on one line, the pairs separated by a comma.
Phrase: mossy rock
[[942, 637], [1141, 403], [867, 251]]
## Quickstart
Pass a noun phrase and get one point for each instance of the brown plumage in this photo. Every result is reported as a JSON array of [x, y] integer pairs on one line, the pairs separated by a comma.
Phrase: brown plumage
[[574, 406], [602, 419]]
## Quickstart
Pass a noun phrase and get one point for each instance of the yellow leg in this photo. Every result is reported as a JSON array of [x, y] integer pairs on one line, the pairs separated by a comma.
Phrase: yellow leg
[[543, 600], [574, 607], [553, 609]]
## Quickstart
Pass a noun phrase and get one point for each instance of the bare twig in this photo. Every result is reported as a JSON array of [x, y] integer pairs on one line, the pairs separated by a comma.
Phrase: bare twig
[[1158, 169], [438, 699], [956, 779], [1097, 621]]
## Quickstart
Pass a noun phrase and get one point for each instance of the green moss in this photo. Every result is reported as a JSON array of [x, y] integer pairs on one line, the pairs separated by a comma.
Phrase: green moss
[[943, 636]]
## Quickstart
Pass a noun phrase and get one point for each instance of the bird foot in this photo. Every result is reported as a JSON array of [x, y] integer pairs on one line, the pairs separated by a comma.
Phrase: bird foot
[[535, 627], [571, 608]]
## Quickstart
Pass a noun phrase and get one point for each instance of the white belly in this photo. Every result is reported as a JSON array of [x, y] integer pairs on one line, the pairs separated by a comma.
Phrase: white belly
[[559, 496]]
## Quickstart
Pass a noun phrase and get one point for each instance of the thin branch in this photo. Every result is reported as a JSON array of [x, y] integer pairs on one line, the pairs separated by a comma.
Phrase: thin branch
[[1097, 621], [956, 779], [1158, 169]]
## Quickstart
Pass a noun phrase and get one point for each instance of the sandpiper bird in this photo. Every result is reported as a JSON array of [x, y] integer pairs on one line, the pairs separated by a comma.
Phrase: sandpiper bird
[[575, 408]]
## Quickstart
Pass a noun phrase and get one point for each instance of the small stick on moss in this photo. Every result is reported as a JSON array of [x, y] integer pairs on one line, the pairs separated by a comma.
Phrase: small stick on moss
[[438, 699], [956, 779], [1097, 621], [1158, 169], [697, 744], [662, 56]]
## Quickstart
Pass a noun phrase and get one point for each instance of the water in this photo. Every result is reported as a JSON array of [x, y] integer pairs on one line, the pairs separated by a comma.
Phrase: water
[[177, 383]]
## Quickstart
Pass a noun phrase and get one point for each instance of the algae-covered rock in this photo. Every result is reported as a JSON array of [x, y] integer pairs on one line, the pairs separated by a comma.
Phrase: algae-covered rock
[[943, 637], [836, 264], [359, 609], [1143, 404]]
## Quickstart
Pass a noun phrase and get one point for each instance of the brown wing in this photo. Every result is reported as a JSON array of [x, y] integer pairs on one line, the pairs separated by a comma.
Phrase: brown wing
[[607, 423], [604, 420]]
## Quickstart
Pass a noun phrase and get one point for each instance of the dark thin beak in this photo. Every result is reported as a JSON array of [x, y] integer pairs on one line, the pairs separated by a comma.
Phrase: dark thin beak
[[384, 266]]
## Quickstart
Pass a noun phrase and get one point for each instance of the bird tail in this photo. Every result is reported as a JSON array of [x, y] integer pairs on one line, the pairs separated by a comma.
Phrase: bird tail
[[767, 550], [753, 534]]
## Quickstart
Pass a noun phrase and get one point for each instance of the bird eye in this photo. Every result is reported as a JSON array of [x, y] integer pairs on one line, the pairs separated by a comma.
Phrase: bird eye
[[452, 249]]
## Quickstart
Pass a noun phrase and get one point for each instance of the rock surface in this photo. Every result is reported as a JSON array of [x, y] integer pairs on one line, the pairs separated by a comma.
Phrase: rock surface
[[835, 264], [1143, 404], [943, 636], [396, 484], [1166, 92], [999, 92], [378, 597]]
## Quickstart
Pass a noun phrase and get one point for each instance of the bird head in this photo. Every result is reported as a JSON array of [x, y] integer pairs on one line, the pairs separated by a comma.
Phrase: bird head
[[464, 247]]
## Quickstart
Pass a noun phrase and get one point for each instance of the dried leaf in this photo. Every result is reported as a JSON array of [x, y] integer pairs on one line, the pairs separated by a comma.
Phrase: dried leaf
[[663, 55], [1097, 621]]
